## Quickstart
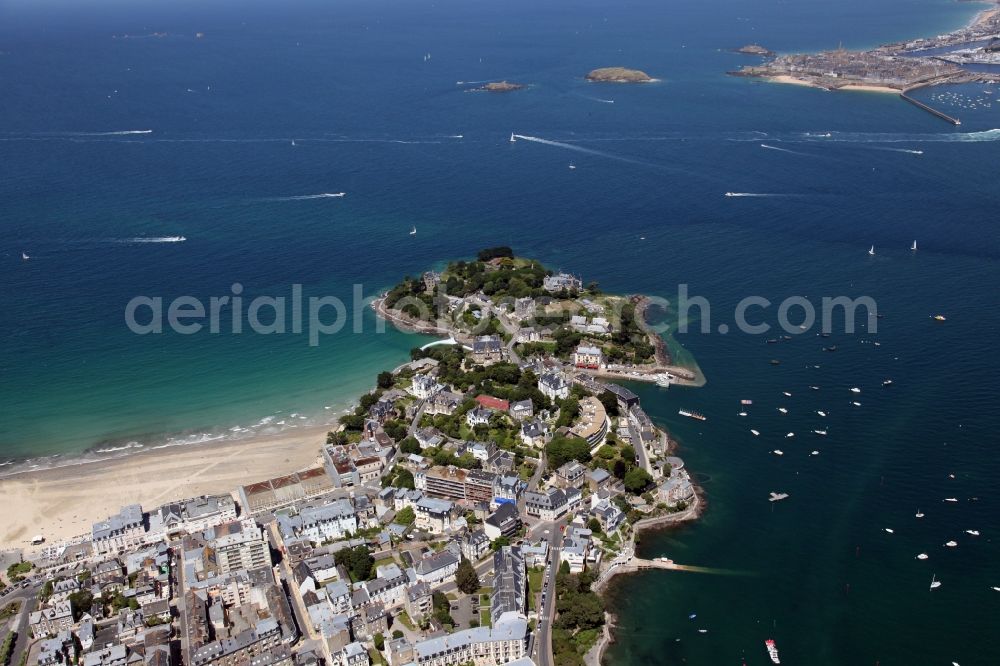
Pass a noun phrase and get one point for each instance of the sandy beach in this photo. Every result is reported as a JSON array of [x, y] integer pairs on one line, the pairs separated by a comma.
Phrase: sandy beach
[[784, 78], [62, 503], [866, 88]]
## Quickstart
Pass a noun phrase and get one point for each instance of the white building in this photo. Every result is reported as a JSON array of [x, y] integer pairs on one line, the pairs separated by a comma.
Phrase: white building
[[553, 386], [437, 568], [122, 531]]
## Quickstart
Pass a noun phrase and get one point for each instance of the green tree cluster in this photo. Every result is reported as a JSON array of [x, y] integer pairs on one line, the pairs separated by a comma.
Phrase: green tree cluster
[[358, 561], [466, 578]]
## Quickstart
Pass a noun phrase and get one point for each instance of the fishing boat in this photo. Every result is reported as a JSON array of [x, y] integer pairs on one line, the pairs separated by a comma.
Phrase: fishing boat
[[777, 497], [922, 556], [663, 380], [782, 410], [951, 544], [814, 453], [871, 252], [855, 390], [935, 583], [950, 499], [820, 432], [814, 388], [972, 532], [730, 194], [889, 530], [914, 246], [772, 650], [939, 318], [755, 433], [919, 514], [787, 394], [742, 414], [692, 415], [778, 452], [856, 403], [746, 402], [791, 434], [821, 413], [887, 382]]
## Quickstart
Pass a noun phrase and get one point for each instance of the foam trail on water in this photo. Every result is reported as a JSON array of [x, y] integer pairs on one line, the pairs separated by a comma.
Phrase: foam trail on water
[[118, 133], [756, 194], [151, 239], [308, 197], [872, 137], [581, 149], [784, 150]]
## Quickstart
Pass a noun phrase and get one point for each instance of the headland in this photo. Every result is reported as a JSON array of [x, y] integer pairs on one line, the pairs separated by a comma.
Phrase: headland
[[898, 67]]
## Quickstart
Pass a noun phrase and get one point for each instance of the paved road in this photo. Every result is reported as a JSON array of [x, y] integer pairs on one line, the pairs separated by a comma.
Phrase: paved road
[[29, 600], [541, 647]]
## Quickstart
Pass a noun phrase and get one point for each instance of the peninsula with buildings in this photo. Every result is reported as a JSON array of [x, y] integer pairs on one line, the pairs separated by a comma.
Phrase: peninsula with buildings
[[468, 510], [899, 67]]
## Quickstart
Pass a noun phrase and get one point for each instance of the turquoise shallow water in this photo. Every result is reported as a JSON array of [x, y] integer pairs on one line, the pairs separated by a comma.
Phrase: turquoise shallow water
[[643, 211]]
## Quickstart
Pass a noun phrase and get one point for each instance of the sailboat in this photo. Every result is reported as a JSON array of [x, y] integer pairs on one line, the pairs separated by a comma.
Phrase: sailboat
[[293, 142], [413, 231], [935, 583], [24, 256], [512, 139], [914, 246], [872, 251]]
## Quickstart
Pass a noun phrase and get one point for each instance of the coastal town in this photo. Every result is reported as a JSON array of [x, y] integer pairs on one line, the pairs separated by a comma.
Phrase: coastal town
[[469, 509], [898, 67]]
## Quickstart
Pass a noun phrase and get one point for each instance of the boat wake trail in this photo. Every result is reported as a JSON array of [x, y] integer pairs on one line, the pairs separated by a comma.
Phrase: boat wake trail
[[150, 239], [784, 150], [757, 194], [119, 133], [309, 197], [872, 137], [586, 151]]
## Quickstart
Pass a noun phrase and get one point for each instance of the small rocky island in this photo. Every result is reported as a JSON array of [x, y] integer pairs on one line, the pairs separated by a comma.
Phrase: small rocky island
[[499, 86], [619, 75], [755, 49]]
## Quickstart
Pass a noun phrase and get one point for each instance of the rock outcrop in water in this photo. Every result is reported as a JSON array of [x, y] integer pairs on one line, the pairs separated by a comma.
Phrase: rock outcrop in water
[[619, 75], [499, 86]]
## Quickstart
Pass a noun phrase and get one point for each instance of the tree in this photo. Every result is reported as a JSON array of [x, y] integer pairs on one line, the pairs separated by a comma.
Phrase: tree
[[337, 438], [395, 429], [594, 525], [561, 450], [404, 479], [619, 469], [379, 641], [358, 561], [610, 402], [410, 445], [499, 543], [385, 379], [406, 516], [636, 480], [495, 253], [466, 578]]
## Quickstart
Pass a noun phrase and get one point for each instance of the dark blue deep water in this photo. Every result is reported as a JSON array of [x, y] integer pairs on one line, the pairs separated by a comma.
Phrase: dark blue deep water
[[372, 116]]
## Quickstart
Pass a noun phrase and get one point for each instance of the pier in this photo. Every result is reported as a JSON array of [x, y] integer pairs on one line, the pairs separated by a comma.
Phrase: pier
[[930, 109]]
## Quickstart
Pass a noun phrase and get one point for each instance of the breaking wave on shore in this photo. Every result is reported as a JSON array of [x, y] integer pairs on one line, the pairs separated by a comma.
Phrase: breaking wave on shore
[[274, 425]]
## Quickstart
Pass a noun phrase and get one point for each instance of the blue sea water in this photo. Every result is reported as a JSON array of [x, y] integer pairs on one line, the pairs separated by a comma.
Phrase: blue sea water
[[643, 210]]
